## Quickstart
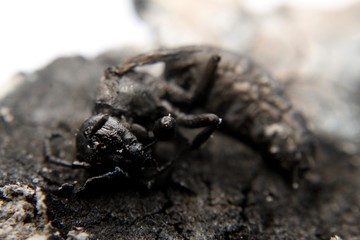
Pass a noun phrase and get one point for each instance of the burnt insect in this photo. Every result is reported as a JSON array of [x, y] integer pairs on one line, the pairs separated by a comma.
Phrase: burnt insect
[[134, 110], [132, 114], [252, 104]]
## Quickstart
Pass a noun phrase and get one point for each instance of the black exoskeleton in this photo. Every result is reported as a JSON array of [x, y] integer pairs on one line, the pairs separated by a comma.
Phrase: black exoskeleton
[[134, 110], [132, 113]]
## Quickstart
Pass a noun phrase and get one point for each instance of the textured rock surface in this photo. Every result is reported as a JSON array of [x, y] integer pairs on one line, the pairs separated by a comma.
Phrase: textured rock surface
[[222, 191], [23, 212]]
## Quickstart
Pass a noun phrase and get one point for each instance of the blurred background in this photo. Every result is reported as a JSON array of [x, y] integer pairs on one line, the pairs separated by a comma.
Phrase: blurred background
[[36, 32], [312, 46]]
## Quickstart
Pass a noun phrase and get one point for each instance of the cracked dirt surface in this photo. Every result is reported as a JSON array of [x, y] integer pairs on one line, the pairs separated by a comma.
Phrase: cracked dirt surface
[[222, 191]]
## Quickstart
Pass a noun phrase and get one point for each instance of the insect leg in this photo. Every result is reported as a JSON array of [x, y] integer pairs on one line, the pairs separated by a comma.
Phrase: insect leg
[[198, 96], [208, 120], [207, 80], [50, 157]]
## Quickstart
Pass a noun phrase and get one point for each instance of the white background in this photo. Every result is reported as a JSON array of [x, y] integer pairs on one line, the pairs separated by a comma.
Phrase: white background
[[37, 31]]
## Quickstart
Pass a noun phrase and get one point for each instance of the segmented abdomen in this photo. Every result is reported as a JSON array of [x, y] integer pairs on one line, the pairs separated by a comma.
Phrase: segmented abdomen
[[253, 106]]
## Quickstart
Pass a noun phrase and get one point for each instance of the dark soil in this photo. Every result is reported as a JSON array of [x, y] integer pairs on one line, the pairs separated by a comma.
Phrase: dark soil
[[221, 191]]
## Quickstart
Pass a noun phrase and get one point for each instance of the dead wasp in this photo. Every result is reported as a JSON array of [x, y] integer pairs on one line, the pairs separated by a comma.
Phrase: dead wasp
[[131, 114], [134, 110]]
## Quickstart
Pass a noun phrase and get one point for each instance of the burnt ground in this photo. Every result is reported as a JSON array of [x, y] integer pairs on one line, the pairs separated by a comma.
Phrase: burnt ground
[[221, 191]]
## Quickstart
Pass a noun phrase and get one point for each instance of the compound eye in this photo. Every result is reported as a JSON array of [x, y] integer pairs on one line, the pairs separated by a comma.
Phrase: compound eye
[[164, 128]]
